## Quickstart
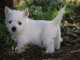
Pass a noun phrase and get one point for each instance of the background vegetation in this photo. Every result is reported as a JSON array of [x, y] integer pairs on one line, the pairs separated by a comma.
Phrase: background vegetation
[[45, 10]]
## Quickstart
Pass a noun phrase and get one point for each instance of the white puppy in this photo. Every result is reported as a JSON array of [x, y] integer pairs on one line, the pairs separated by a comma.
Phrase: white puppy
[[42, 33]]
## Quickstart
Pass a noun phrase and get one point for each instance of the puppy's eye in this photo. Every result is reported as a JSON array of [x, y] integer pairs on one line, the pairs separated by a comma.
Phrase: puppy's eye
[[10, 22], [19, 23]]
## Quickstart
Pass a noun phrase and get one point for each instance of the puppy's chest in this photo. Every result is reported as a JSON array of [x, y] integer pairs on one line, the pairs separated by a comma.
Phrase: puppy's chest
[[14, 37]]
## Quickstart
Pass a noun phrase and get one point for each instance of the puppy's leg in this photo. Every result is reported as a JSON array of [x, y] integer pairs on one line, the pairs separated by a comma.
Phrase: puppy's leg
[[22, 41], [20, 47], [58, 39], [49, 44]]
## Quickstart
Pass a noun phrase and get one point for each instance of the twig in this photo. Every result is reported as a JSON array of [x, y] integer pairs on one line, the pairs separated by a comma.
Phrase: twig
[[71, 53]]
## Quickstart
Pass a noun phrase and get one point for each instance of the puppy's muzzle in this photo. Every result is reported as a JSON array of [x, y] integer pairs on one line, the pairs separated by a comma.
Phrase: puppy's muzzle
[[13, 29]]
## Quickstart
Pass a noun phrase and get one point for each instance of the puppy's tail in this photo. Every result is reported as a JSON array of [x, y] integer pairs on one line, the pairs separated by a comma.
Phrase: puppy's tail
[[58, 18]]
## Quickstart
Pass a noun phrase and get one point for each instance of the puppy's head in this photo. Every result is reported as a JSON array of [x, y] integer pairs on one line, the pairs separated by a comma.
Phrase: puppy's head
[[15, 20]]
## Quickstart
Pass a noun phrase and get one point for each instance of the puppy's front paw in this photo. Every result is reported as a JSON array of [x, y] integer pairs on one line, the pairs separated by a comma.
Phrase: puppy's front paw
[[49, 51], [20, 50]]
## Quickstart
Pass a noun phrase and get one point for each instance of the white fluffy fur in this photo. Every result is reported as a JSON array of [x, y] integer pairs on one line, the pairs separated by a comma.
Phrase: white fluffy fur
[[40, 32]]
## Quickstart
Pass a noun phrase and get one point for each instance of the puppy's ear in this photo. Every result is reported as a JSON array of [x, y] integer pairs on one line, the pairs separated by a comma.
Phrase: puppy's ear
[[25, 13], [7, 10]]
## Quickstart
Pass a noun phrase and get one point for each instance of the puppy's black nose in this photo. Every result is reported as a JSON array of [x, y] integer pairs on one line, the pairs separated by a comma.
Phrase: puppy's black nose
[[13, 29]]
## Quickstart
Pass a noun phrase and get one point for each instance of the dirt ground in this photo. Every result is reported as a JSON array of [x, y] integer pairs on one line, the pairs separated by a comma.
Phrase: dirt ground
[[69, 51]]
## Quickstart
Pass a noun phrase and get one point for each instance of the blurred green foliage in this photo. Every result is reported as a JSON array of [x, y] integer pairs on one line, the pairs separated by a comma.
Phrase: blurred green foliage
[[42, 9], [5, 40]]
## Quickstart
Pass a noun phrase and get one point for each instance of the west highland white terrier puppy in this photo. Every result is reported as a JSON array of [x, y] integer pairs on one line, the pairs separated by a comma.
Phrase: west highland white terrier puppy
[[39, 32]]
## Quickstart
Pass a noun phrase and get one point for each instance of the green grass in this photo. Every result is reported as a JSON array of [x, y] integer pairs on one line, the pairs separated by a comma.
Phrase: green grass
[[6, 41]]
